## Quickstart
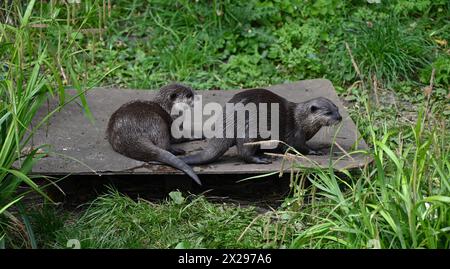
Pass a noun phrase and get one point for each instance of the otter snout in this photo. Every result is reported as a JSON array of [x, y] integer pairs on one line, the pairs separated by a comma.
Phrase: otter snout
[[335, 119]]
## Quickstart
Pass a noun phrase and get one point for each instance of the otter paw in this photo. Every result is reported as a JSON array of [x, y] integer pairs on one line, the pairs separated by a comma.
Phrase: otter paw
[[260, 160], [176, 151], [315, 152]]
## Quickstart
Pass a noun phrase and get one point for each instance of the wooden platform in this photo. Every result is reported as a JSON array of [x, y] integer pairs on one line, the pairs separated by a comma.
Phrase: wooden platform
[[73, 136]]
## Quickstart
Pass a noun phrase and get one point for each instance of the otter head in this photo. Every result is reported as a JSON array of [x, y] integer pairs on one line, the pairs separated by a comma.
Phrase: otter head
[[323, 112], [175, 97]]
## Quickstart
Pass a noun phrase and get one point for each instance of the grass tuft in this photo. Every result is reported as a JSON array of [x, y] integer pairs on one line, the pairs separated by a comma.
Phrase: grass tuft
[[116, 221]]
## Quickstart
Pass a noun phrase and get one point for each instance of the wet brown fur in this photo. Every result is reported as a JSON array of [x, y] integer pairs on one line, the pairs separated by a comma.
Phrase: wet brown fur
[[141, 129]]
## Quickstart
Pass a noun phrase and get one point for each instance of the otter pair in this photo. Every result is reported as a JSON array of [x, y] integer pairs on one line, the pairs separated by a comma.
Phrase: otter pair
[[141, 129]]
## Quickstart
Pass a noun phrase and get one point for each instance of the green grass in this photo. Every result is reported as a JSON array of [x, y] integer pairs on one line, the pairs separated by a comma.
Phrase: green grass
[[388, 50], [22, 91], [249, 44], [28, 77], [116, 221], [401, 200]]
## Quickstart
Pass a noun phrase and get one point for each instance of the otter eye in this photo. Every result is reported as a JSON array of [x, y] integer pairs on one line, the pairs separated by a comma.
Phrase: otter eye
[[173, 96], [314, 108], [329, 113], [189, 95]]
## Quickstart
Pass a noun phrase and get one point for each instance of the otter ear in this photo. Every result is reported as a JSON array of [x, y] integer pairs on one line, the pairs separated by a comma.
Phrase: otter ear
[[313, 108]]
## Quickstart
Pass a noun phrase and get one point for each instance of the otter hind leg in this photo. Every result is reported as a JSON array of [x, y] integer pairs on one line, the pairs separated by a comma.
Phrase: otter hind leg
[[250, 153]]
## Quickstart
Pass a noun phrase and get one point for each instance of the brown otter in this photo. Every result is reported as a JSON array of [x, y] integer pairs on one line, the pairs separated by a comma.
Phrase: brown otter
[[141, 129], [298, 122]]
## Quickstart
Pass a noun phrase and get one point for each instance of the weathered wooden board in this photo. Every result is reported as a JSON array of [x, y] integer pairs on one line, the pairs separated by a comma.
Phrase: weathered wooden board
[[73, 136]]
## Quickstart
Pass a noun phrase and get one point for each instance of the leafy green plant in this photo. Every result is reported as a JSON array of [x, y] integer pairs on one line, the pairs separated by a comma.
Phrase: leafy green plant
[[442, 71], [420, 6], [298, 49]]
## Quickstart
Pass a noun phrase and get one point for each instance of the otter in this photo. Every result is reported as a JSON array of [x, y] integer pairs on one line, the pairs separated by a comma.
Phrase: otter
[[298, 123], [141, 129]]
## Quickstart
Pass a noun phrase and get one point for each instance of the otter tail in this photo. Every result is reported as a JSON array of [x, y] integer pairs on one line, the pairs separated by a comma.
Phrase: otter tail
[[214, 150], [153, 153]]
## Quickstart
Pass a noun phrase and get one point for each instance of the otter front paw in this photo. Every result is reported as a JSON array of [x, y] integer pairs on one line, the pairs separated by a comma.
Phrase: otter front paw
[[315, 152]]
